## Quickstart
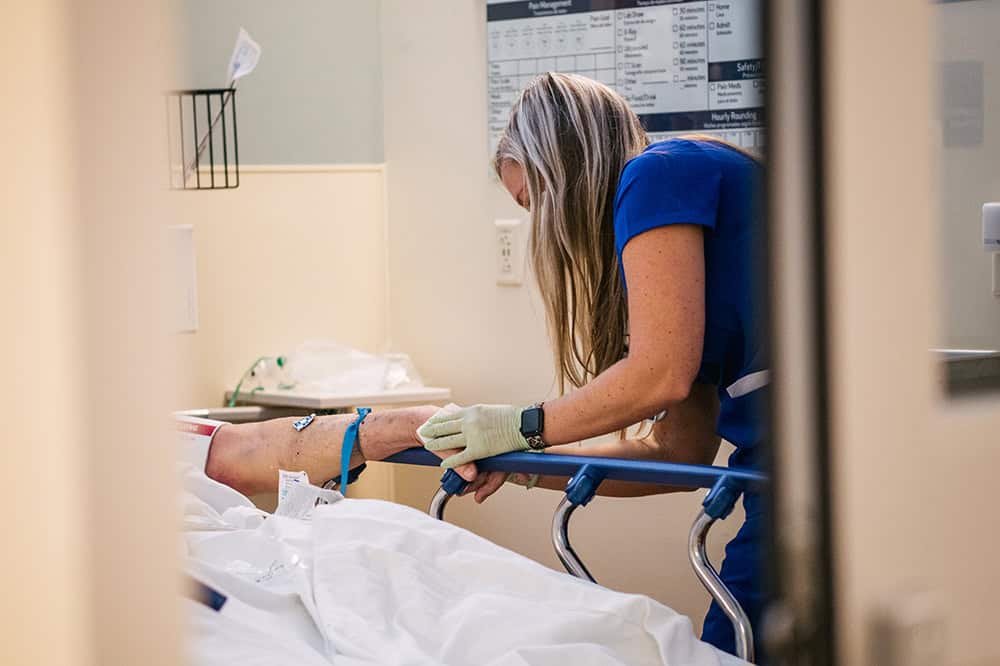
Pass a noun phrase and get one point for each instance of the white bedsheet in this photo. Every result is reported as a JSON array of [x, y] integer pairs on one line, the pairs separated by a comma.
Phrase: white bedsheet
[[370, 582]]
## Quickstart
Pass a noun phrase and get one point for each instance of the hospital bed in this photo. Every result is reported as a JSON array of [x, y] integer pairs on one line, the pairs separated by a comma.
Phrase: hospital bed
[[725, 486], [586, 475]]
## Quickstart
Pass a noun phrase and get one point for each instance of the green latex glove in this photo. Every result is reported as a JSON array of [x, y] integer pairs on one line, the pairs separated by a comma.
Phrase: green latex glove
[[481, 430]]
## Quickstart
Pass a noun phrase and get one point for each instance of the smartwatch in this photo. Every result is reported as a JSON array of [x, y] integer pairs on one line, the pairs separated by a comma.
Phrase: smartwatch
[[532, 425]]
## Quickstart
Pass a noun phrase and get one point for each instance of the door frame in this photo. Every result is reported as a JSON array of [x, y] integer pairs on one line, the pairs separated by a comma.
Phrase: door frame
[[800, 626]]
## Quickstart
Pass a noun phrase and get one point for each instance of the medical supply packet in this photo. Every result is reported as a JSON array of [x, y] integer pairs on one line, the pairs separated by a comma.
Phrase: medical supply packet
[[297, 497]]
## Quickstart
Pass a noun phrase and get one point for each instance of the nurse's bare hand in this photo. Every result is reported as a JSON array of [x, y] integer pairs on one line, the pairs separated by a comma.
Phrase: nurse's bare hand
[[486, 484], [467, 471]]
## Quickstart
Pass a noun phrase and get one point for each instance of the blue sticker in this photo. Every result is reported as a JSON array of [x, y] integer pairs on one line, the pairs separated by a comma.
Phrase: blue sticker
[[303, 423]]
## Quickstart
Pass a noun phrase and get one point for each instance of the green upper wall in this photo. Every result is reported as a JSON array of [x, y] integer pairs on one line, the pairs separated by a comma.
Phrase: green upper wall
[[316, 96]]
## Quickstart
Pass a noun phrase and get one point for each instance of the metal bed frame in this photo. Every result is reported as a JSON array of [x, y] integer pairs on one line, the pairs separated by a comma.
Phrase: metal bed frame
[[586, 474]]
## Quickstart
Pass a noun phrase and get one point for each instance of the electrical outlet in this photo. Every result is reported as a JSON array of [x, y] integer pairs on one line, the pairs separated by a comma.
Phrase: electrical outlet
[[509, 252]]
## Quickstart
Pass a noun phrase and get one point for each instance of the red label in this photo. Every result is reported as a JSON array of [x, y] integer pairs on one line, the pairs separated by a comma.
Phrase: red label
[[197, 428]]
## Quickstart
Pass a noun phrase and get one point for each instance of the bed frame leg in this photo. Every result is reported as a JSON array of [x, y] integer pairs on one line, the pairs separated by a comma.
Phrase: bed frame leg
[[718, 503], [560, 540]]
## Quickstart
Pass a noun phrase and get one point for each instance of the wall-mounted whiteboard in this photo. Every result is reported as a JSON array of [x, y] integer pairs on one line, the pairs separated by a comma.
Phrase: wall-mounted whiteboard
[[684, 66]]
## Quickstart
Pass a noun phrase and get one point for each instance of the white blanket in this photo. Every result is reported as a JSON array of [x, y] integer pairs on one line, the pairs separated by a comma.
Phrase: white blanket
[[370, 582]]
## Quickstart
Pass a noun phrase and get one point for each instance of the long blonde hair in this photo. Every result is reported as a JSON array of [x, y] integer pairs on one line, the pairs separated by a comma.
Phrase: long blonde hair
[[572, 136]]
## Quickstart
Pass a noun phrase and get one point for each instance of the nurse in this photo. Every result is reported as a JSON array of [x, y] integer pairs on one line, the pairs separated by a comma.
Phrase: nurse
[[644, 259]]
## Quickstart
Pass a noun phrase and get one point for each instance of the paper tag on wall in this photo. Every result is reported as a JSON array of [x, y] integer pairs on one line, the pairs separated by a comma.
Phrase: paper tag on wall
[[245, 56]]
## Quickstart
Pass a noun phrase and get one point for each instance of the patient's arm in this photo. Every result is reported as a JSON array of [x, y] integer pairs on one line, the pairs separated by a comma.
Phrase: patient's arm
[[686, 435], [247, 456]]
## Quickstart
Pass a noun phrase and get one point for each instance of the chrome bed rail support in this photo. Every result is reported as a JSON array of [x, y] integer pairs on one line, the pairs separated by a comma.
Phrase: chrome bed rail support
[[560, 540], [710, 579], [438, 503], [451, 484], [717, 505], [579, 491]]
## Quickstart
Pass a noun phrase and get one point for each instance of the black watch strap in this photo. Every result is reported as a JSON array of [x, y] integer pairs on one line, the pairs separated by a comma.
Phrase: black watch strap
[[533, 425]]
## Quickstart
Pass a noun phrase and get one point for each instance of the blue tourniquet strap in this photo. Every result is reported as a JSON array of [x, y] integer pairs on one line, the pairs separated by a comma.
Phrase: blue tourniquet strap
[[350, 437]]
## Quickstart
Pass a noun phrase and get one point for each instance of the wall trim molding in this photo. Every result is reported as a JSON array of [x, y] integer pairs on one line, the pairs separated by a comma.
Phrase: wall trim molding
[[374, 167]]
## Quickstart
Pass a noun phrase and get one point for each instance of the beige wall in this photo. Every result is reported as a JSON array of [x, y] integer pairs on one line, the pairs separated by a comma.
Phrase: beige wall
[[89, 554], [129, 458], [485, 341], [293, 254], [40, 266], [969, 177]]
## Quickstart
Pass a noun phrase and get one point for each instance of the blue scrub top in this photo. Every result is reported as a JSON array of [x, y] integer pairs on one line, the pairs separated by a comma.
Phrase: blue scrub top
[[682, 181]]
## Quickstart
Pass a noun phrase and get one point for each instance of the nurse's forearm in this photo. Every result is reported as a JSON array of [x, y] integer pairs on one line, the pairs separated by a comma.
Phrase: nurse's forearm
[[686, 435], [621, 396]]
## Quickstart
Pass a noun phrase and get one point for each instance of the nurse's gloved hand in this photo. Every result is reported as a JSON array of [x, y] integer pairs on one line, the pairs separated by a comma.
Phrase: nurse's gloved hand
[[481, 431]]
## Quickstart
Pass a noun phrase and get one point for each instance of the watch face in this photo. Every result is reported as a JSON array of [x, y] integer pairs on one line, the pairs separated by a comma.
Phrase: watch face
[[531, 421]]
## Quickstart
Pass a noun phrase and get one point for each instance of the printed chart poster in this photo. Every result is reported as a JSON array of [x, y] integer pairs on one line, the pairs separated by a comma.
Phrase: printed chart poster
[[683, 66]]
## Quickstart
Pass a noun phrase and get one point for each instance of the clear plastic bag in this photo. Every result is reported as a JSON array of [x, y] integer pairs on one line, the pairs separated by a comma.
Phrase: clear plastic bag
[[330, 367]]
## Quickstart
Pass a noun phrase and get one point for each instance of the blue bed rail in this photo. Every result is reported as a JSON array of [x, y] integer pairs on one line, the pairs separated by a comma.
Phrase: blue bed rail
[[611, 469]]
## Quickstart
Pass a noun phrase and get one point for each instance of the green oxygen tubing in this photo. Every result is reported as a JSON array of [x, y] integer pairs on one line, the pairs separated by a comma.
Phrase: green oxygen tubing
[[279, 360]]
